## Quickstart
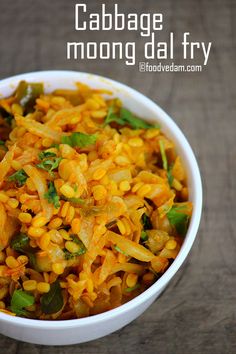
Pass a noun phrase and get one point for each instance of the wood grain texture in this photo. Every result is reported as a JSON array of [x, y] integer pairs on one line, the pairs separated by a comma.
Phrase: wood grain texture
[[197, 312]]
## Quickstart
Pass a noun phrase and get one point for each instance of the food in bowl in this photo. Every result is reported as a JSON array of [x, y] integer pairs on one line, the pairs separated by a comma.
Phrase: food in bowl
[[93, 203]]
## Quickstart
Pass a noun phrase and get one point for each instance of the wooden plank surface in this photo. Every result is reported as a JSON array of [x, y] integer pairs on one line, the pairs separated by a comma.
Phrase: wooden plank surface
[[197, 312]]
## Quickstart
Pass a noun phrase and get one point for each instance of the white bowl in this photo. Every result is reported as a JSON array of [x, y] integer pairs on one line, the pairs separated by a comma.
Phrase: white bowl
[[86, 329]]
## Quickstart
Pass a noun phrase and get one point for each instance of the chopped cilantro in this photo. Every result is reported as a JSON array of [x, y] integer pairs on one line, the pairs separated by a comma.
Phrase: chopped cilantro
[[49, 164], [79, 139], [19, 300], [52, 195], [19, 177], [113, 117], [45, 154], [20, 242], [134, 121], [126, 117], [178, 218]]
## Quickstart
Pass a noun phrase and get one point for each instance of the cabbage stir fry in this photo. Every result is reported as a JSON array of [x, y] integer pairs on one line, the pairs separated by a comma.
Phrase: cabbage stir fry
[[93, 203]]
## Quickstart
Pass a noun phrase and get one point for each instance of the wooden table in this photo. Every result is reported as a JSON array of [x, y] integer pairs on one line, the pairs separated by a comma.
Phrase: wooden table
[[196, 314]]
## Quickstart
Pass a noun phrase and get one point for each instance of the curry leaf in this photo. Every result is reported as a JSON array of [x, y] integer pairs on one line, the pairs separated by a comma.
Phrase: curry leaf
[[52, 301], [21, 243]]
